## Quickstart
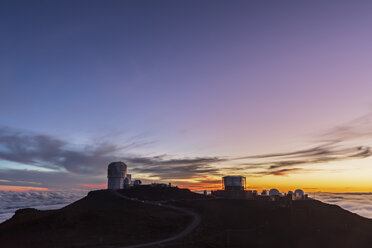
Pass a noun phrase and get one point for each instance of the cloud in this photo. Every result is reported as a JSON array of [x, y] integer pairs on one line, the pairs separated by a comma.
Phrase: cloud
[[319, 154], [11, 201], [46, 179], [284, 172], [86, 164], [358, 128], [72, 164], [359, 203], [340, 143], [168, 168], [323, 151], [166, 160], [52, 153]]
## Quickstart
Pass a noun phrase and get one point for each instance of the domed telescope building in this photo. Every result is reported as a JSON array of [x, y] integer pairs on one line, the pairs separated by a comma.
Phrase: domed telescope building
[[274, 192], [116, 173], [299, 194]]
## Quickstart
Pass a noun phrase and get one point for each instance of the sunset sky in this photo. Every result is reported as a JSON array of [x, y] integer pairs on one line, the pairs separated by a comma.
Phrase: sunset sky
[[186, 92]]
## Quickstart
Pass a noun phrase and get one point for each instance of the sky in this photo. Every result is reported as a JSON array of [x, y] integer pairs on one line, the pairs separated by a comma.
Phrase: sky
[[186, 92]]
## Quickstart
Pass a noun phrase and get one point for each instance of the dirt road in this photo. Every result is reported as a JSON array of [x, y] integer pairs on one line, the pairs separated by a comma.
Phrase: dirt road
[[195, 222]]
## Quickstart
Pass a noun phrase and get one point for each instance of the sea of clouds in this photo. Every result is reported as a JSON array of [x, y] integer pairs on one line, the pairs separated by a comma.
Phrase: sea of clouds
[[359, 203], [43, 200]]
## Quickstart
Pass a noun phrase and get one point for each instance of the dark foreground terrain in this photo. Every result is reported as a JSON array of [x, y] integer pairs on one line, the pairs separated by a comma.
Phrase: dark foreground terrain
[[99, 219], [305, 224], [105, 219]]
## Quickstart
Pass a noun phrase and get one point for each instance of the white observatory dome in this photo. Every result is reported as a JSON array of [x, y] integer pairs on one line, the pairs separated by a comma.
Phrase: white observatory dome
[[116, 173], [299, 193], [273, 192]]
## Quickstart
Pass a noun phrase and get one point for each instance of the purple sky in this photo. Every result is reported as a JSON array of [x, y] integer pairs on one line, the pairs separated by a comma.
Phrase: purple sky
[[104, 80]]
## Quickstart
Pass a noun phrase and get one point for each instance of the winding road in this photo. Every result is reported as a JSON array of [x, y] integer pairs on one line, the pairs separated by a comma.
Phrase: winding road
[[195, 222]]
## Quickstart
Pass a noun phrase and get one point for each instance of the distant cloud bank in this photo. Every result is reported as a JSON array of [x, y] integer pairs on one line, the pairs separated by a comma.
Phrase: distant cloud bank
[[11, 201], [359, 203]]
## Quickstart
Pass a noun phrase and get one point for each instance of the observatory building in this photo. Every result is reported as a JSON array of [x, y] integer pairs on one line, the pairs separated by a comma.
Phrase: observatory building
[[299, 195], [233, 183], [116, 174], [274, 192], [233, 187]]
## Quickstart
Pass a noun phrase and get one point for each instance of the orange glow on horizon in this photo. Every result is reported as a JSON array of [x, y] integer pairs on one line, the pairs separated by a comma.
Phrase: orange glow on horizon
[[21, 188], [94, 186], [282, 188], [200, 186]]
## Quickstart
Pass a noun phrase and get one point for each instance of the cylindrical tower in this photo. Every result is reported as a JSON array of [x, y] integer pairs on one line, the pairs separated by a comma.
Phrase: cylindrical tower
[[116, 172], [233, 183]]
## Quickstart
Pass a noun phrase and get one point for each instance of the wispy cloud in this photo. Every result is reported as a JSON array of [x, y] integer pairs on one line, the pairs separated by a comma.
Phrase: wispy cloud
[[340, 143], [279, 163], [283, 172], [49, 152], [69, 161], [357, 128], [167, 168]]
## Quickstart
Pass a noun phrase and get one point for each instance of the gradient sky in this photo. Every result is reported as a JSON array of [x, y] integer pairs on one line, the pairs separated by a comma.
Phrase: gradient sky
[[186, 92]]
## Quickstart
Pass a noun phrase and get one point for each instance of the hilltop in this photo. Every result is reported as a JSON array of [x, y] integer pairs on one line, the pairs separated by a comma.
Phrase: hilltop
[[159, 193], [138, 215], [98, 219]]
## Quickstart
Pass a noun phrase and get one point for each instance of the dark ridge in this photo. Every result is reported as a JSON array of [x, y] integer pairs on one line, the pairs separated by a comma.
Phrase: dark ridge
[[160, 193]]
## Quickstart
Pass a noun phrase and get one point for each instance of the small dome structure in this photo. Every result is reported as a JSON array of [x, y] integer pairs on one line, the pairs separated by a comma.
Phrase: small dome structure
[[274, 192], [299, 193], [137, 182], [290, 192]]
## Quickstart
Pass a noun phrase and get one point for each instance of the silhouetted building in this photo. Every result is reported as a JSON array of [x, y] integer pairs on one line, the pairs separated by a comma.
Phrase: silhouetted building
[[233, 187], [116, 173], [233, 183]]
